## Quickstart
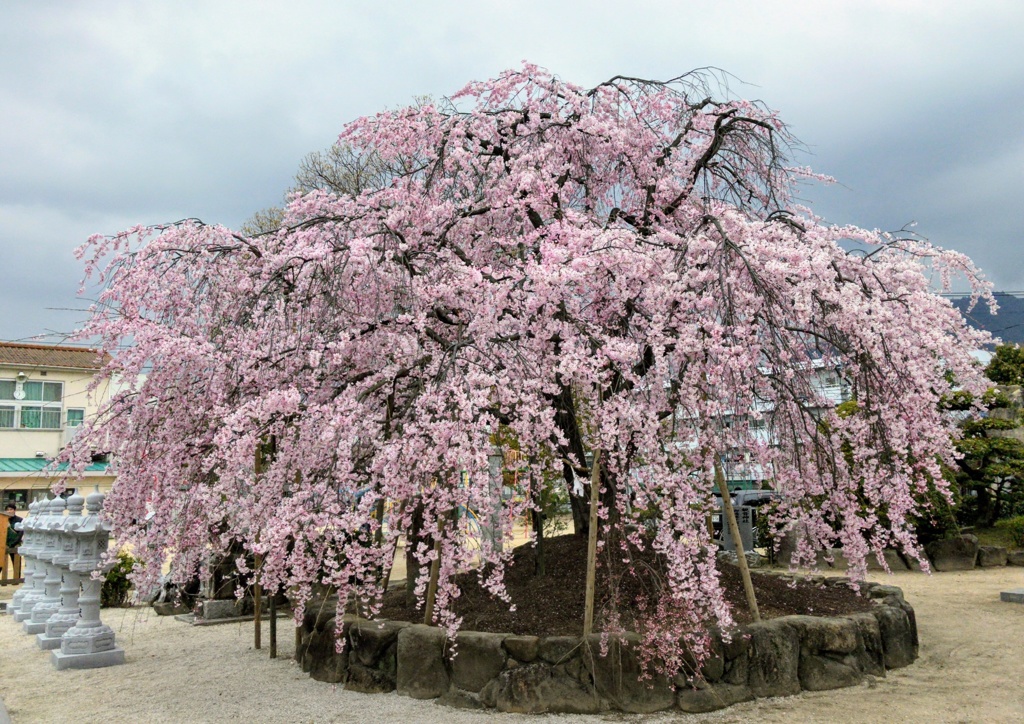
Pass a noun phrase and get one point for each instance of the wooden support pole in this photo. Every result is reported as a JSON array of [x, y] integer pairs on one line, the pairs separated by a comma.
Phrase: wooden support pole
[[273, 626], [734, 529], [595, 496], [257, 623], [256, 606]]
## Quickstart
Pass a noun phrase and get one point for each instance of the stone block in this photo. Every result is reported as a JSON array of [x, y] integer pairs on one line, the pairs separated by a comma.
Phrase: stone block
[[170, 608], [898, 637], [838, 562], [34, 627], [522, 648], [953, 554], [991, 556], [422, 673], [537, 689], [712, 698], [1015, 558], [892, 560], [98, 660], [1014, 595], [619, 677], [211, 610], [773, 659], [822, 672], [479, 658], [459, 699], [558, 649], [825, 635], [48, 643], [370, 639], [320, 657], [367, 680], [870, 653]]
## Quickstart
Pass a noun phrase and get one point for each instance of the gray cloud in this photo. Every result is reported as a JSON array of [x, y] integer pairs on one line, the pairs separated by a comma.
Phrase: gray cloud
[[117, 113]]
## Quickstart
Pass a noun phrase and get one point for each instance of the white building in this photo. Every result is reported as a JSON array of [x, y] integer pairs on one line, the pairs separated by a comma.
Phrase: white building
[[43, 400]]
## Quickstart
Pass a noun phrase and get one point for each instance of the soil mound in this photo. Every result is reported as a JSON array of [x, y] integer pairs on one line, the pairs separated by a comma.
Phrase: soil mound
[[552, 604]]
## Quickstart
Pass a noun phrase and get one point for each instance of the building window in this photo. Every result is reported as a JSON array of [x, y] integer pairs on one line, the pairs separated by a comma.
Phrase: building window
[[76, 416], [31, 405]]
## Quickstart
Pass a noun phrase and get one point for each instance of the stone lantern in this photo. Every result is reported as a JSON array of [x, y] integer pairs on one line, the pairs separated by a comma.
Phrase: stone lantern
[[35, 571], [71, 582], [89, 644], [49, 604], [27, 544]]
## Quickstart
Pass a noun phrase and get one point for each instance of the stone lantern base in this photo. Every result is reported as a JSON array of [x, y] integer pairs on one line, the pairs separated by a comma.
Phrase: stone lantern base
[[110, 657]]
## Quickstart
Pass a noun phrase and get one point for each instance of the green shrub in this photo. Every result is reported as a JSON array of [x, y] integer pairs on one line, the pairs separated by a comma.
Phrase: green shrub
[[1014, 527], [116, 586]]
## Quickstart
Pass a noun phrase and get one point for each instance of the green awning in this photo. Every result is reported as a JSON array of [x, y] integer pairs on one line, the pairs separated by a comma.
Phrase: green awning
[[38, 465]]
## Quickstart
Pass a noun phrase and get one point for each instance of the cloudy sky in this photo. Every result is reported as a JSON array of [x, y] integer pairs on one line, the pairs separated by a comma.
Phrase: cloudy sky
[[120, 113]]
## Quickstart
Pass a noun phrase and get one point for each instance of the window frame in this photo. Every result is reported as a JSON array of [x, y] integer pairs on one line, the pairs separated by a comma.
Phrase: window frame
[[44, 409]]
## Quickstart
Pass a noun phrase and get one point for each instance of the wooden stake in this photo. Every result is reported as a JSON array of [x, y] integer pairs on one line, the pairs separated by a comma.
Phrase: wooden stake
[[273, 627], [734, 529], [595, 495], [256, 603]]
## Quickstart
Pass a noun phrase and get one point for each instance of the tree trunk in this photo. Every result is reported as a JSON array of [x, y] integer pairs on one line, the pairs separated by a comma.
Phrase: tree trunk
[[568, 424], [413, 538]]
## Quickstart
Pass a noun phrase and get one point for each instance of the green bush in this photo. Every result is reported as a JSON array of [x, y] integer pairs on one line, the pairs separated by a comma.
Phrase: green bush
[[116, 586], [1014, 527]]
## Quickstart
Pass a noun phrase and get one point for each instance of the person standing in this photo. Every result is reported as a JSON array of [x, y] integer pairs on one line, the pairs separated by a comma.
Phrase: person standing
[[13, 536]]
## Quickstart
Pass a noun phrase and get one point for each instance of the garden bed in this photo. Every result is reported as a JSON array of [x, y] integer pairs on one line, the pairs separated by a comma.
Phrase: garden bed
[[818, 635]]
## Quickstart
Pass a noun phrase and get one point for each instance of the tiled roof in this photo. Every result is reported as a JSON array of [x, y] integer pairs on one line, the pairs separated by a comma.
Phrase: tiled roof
[[37, 465], [49, 355]]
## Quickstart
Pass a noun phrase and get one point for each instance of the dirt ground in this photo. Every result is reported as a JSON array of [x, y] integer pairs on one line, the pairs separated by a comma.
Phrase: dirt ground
[[971, 669]]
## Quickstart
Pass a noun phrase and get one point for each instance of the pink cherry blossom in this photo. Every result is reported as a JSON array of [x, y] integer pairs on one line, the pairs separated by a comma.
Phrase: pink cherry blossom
[[622, 268]]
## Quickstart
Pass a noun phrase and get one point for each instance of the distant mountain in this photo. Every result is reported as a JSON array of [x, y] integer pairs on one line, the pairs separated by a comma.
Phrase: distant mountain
[[1008, 322]]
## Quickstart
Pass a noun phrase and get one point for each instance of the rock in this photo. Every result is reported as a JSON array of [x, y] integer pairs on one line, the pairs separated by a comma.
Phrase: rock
[[898, 637], [619, 677], [892, 558], [1015, 558], [368, 680], [522, 648], [736, 654], [820, 673], [558, 649], [479, 659], [370, 639], [1014, 595], [991, 556], [838, 562], [870, 653], [826, 635], [321, 659], [459, 699], [422, 673], [212, 610], [953, 554], [170, 608], [535, 689], [883, 592], [712, 698], [773, 659]]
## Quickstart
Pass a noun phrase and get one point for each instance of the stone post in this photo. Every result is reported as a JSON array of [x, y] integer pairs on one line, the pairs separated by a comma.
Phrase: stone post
[[32, 555], [49, 604], [89, 644], [71, 582], [28, 564]]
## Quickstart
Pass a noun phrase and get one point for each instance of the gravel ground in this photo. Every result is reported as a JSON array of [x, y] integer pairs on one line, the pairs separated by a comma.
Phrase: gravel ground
[[970, 670]]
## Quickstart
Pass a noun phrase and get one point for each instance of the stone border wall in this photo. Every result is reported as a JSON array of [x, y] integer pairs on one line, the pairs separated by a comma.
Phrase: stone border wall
[[532, 674]]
